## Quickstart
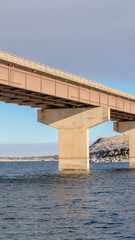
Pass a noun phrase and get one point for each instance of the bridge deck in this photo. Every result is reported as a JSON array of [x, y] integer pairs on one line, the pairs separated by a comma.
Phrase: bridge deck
[[28, 83]]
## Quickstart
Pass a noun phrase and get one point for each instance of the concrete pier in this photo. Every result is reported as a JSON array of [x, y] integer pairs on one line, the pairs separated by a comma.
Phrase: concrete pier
[[128, 128], [74, 149], [73, 125]]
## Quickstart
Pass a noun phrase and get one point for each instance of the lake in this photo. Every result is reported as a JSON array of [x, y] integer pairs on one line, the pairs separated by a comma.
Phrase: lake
[[37, 202]]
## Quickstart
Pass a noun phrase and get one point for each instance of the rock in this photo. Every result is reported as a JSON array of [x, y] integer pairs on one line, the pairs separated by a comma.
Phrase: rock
[[114, 149]]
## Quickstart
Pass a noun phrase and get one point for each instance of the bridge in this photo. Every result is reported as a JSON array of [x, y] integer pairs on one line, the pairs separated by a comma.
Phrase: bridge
[[70, 103]]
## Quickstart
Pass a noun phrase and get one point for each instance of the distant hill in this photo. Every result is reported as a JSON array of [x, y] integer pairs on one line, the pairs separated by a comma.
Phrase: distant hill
[[115, 149]]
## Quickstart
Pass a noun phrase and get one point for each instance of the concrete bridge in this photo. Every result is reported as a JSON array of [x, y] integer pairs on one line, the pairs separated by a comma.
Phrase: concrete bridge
[[67, 102]]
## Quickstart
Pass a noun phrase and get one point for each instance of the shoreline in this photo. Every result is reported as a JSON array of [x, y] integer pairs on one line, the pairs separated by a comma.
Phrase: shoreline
[[49, 159], [23, 159]]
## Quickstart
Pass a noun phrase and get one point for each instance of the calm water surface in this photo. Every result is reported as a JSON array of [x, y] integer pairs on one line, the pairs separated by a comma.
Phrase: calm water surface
[[37, 202]]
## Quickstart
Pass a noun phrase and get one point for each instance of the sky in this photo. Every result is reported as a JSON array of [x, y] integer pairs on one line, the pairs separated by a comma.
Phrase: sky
[[94, 39]]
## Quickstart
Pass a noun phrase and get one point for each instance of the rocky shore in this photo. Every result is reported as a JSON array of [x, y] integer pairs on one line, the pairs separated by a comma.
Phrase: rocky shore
[[110, 149]]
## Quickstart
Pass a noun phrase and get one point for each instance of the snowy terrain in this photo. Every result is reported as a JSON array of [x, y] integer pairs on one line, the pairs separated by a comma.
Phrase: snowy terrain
[[108, 149]]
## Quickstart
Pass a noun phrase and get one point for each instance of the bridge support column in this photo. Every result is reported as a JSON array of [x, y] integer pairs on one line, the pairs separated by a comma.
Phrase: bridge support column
[[128, 128], [73, 125], [74, 148]]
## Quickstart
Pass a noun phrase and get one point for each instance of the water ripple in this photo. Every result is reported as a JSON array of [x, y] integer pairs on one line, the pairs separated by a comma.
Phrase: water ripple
[[38, 202]]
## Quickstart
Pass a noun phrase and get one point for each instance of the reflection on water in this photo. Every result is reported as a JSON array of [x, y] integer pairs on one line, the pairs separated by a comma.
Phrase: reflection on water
[[38, 202]]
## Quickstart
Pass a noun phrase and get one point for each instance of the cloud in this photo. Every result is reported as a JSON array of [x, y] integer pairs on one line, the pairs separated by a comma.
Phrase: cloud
[[90, 38]]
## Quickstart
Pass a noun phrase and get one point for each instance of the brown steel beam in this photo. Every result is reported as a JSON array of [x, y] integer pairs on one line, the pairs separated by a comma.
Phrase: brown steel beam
[[33, 99], [42, 96]]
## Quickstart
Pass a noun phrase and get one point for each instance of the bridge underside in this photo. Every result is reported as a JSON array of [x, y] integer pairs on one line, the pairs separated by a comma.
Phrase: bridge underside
[[33, 99]]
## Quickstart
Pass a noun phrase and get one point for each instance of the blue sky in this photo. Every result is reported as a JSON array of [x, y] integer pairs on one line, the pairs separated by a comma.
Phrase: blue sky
[[90, 38]]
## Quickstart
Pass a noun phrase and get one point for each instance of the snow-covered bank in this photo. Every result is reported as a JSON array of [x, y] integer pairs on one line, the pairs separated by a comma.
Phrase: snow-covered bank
[[114, 149]]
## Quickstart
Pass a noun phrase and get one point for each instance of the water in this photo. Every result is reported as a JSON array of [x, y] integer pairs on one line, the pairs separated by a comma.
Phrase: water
[[37, 202]]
